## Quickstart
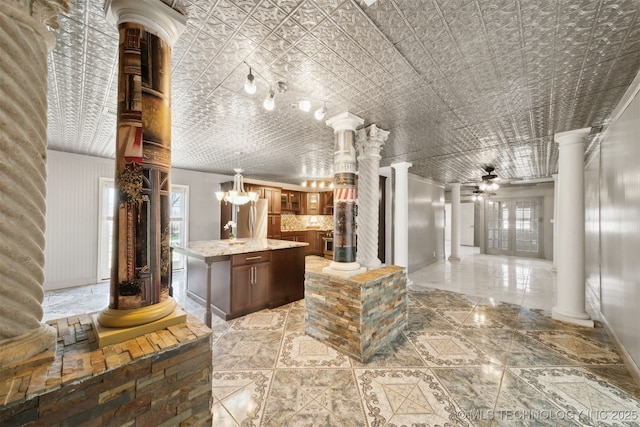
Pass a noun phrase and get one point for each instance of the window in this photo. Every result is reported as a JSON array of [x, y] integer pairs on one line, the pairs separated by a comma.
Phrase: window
[[179, 219], [179, 231]]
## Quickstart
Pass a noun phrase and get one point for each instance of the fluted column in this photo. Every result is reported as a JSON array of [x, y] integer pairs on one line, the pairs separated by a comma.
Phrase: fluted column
[[570, 243], [401, 214], [140, 273], [455, 222], [369, 144], [344, 195], [24, 44], [554, 267]]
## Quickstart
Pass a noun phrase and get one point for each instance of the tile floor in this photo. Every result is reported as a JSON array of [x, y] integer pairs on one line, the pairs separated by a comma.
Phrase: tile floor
[[480, 350]]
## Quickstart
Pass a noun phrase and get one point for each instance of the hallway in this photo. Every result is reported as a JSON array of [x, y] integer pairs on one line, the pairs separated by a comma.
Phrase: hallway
[[481, 349]]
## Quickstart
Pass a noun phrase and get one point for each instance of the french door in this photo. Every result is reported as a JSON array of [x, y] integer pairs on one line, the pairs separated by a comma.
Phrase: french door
[[514, 227]]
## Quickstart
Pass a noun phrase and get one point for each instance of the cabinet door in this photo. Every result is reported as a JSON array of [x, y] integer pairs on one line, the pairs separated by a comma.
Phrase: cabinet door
[[311, 240], [294, 201], [261, 283], [273, 227], [241, 288], [313, 203]]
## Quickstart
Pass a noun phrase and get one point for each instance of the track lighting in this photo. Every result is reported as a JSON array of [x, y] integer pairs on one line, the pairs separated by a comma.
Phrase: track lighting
[[321, 112], [304, 105], [269, 102], [250, 85]]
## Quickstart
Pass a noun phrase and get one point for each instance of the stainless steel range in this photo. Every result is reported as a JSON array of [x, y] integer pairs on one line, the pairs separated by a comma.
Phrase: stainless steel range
[[328, 246]]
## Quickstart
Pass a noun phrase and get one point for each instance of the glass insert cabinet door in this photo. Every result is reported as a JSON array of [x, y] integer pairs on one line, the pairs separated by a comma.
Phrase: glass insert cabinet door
[[514, 227]]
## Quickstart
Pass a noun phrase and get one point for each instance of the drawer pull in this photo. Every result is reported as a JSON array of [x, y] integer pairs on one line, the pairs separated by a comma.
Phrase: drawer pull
[[252, 257]]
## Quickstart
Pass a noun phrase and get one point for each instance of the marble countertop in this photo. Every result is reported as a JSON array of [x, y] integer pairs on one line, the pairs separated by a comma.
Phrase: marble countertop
[[221, 248]]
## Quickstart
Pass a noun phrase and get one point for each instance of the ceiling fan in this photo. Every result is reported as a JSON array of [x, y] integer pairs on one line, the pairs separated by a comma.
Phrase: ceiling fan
[[478, 195], [489, 180]]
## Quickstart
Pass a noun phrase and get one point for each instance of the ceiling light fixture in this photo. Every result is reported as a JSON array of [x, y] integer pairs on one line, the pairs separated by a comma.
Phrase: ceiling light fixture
[[304, 105], [269, 102], [250, 85], [237, 196], [321, 112], [489, 180]]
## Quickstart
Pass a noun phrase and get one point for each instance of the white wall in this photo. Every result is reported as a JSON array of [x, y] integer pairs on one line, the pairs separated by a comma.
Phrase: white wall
[[71, 250], [619, 223], [426, 222]]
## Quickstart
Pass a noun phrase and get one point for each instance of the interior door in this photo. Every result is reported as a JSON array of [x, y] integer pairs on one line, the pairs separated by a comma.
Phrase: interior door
[[466, 223], [514, 227]]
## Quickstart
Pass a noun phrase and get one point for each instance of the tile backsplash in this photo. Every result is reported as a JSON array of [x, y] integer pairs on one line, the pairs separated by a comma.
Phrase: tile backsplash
[[293, 222]]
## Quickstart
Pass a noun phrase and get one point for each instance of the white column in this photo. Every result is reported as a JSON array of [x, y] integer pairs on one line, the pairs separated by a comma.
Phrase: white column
[[401, 214], [455, 222], [369, 143], [554, 267], [24, 45], [570, 242]]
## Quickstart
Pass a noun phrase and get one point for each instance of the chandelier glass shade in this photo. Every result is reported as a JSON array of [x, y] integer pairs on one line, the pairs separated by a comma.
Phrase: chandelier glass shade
[[237, 196]]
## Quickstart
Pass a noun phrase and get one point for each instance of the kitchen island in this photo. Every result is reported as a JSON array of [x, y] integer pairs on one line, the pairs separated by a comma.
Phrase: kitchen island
[[232, 279]]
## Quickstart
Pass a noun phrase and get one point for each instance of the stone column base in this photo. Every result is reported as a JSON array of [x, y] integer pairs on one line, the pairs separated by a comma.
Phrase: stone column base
[[454, 258], [23, 347]]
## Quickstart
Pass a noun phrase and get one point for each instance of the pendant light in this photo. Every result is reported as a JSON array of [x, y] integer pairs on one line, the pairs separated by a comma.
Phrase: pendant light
[[250, 84], [321, 112], [269, 102]]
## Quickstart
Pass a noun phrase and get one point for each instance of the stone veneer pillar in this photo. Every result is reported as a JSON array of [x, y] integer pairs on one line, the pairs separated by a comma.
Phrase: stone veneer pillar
[[140, 273], [554, 267], [344, 195], [571, 235], [455, 222], [369, 144], [401, 214], [24, 45]]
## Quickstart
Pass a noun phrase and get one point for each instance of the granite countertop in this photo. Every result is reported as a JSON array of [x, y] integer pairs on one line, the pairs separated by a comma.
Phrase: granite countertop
[[217, 248]]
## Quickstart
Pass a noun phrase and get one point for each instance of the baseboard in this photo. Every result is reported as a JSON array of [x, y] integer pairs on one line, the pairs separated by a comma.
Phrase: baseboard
[[631, 365]]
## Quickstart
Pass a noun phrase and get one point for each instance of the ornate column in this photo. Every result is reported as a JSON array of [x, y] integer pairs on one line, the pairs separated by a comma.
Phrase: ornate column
[[140, 273], [369, 144], [455, 222], [401, 214], [554, 267], [570, 242], [24, 45], [344, 195]]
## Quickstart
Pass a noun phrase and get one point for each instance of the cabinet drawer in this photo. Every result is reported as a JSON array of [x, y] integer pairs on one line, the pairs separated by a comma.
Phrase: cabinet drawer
[[250, 258]]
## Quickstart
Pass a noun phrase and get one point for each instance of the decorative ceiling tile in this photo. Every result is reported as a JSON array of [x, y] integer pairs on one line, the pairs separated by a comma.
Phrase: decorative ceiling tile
[[459, 83]]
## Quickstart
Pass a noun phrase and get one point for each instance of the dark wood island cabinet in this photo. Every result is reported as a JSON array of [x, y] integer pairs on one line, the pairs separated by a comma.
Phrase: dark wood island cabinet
[[238, 279]]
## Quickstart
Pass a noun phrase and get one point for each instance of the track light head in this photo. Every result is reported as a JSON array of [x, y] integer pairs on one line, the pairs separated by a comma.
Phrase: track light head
[[269, 102], [250, 84]]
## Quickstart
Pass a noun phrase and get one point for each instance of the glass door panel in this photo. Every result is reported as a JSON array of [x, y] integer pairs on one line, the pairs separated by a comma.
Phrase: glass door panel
[[514, 228]]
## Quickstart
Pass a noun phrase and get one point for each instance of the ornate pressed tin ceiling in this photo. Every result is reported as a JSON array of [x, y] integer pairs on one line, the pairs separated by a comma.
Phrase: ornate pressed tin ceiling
[[459, 84]]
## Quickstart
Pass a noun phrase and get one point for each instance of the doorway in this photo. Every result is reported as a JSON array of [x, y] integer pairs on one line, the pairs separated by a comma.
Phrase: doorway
[[514, 227]]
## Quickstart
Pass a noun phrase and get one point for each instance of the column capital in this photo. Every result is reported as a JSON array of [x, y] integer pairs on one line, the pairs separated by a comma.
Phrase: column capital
[[401, 166], [575, 136], [370, 140], [344, 121], [44, 11], [554, 176], [455, 184], [157, 17]]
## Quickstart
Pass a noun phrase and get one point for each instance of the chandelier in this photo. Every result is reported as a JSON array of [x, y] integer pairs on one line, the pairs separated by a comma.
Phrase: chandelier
[[237, 196]]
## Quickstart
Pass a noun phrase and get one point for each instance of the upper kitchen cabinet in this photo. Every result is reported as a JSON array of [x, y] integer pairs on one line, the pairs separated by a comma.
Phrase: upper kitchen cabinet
[[326, 203], [291, 201], [313, 204], [272, 195]]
